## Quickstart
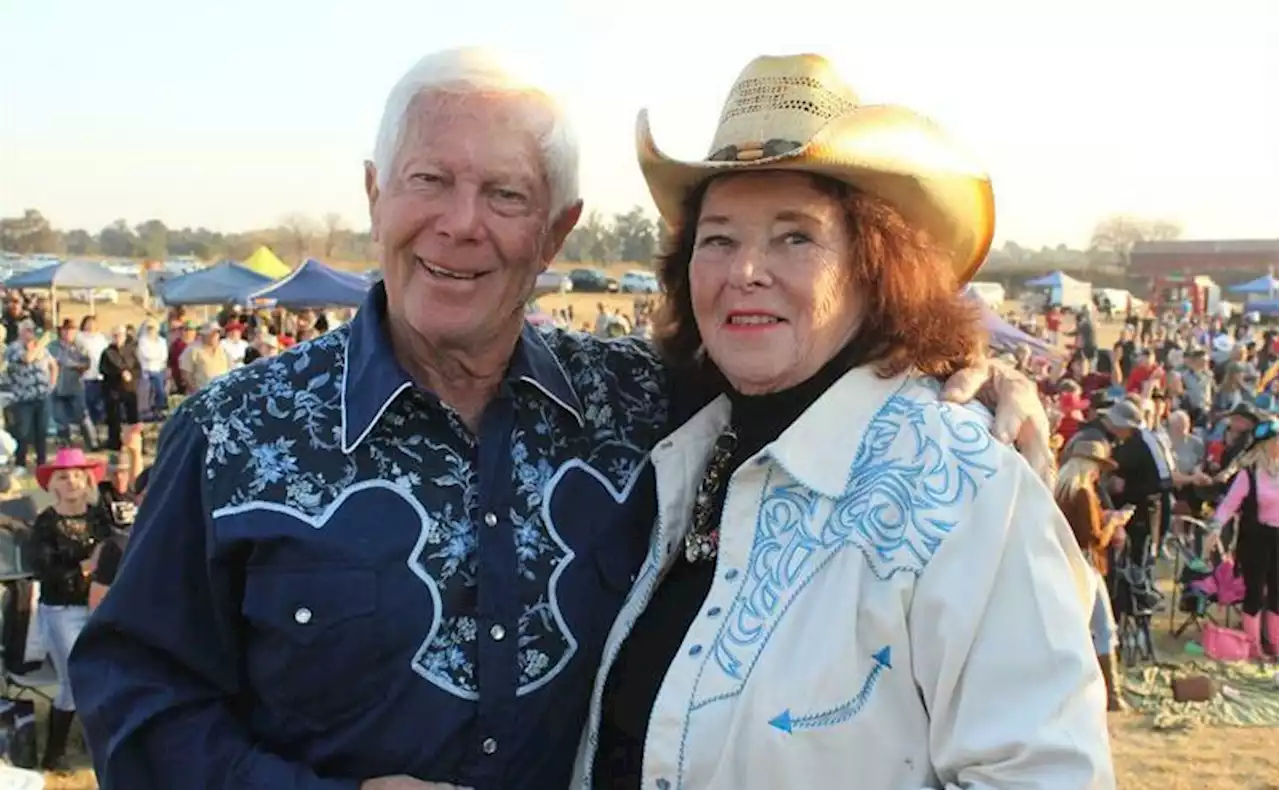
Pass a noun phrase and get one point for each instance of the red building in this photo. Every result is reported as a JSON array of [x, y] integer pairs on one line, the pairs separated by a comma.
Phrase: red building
[[1227, 262]]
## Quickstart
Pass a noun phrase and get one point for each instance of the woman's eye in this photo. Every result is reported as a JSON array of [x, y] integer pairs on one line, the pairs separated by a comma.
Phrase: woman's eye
[[715, 241], [795, 237]]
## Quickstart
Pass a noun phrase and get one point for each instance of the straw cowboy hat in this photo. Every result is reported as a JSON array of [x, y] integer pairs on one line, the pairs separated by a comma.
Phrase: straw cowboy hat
[[796, 113], [69, 458], [1096, 451]]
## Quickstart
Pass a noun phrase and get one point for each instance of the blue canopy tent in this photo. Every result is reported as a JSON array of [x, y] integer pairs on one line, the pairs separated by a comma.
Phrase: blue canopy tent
[[1264, 307], [1266, 285], [89, 276], [222, 283], [312, 285], [1063, 290]]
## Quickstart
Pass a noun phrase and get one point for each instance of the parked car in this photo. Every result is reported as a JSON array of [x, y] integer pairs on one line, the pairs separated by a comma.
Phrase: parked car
[[638, 282], [592, 281], [550, 282]]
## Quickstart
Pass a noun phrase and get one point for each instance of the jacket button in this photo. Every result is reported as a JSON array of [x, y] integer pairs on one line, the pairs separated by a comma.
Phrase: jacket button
[[302, 616], [489, 746]]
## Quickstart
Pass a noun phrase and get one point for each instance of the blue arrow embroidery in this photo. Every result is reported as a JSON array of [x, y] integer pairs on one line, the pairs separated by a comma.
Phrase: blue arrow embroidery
[[788, 723]]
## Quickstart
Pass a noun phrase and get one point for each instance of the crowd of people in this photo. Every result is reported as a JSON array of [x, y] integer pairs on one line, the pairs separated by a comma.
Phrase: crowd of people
[[778, 553], [94, 391], [611, 322], [1176, 418], [75, 381]]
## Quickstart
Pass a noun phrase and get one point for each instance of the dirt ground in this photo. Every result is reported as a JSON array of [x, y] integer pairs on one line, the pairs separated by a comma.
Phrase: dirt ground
[[1145, 759], [1202, 759]]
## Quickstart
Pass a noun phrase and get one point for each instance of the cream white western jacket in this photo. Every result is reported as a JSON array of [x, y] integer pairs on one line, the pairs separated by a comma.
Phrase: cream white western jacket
[[898, 605]]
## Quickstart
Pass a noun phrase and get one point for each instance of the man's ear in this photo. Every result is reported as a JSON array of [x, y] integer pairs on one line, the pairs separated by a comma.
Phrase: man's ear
[[371, 192], [561, 227]]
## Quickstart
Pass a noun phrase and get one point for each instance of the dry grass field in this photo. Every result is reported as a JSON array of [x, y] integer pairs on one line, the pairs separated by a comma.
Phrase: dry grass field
[[1217, 758]]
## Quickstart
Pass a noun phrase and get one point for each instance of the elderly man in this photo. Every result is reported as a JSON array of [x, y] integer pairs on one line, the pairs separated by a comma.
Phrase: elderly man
[[395, 551]]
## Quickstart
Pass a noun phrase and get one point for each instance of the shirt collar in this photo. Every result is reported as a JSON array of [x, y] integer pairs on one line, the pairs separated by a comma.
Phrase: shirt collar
[[372, 378]]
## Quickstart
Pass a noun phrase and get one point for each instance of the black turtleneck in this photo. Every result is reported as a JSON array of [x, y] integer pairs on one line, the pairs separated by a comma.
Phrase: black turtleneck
[[637, 674]]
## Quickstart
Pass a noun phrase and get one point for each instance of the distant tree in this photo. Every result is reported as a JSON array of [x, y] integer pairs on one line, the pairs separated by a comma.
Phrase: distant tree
[[1118, 234], [118, 240], [637, 236], [80, 242], [297, 233], [153, 239], [334, 229], [30, 233]]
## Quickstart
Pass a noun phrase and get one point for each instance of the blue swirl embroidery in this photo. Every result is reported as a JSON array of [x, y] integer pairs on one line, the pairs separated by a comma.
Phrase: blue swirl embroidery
[[789, 722], [917, 460]]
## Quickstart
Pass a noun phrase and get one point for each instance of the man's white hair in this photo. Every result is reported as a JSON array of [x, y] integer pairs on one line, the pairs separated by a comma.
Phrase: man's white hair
[[479, 69]]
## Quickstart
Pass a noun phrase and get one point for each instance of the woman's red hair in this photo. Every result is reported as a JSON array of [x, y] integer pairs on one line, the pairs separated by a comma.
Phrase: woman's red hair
[[914, 315]]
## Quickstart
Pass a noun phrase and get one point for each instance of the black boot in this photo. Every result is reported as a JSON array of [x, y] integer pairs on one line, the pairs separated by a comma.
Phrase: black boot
[[55, 746]]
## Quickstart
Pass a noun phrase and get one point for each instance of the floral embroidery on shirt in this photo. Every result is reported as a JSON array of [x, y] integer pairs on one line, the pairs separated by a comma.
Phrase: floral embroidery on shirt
[[274, 434]]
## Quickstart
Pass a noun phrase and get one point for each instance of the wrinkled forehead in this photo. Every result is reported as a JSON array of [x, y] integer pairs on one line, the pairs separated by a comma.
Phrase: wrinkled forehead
[[498, 132]]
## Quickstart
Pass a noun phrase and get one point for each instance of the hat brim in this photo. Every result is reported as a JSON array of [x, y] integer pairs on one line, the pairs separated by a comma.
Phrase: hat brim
[[96, 469], [887, 151], [1107, 464]]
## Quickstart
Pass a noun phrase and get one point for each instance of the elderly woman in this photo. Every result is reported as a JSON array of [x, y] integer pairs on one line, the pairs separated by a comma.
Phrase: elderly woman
[[849, 579]]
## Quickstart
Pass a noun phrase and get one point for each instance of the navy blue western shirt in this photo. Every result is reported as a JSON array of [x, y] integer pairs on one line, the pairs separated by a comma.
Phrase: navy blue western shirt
[[333, 579]]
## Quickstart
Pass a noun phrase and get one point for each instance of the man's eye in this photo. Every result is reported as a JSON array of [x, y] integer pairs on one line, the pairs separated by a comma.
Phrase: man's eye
[[425, 178], [509, 195]]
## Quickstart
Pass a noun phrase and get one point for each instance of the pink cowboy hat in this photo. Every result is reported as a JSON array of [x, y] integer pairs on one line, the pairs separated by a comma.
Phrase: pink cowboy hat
[[70, 458]]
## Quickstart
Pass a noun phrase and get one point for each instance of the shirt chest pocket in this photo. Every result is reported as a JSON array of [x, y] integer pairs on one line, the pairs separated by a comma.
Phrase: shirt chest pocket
[[313, 645]]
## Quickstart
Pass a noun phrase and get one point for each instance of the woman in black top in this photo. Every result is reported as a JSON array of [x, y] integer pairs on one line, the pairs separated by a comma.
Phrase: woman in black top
[[120, 371], [64, 539]]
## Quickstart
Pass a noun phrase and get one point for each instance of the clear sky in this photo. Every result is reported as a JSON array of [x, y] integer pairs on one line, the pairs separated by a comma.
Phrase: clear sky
[[232, 114]]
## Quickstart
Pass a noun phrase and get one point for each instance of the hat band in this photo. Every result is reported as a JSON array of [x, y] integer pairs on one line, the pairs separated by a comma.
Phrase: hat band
[[751, 151]]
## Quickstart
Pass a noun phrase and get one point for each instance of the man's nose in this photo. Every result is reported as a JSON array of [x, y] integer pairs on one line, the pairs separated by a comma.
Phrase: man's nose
[[460, 218]]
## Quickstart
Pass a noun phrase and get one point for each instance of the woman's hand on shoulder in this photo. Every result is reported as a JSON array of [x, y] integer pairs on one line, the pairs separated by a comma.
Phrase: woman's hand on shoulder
[[1020, 418]]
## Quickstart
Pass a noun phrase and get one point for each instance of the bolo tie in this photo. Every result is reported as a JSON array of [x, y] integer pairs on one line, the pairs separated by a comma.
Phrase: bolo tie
[[702, 542]]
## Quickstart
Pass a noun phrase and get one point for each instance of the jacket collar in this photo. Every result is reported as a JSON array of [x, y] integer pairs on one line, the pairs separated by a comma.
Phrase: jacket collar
[[372, 377], [820, 448]]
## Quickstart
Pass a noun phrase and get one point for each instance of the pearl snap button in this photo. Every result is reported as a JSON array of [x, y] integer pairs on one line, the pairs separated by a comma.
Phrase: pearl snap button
[[302, 616]]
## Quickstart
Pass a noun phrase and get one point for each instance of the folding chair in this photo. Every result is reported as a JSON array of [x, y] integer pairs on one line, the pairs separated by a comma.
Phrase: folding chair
[[1135, 600], [42, 682]]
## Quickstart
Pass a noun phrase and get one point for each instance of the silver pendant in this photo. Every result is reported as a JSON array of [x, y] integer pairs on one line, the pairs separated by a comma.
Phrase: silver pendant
[[699, 548]]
